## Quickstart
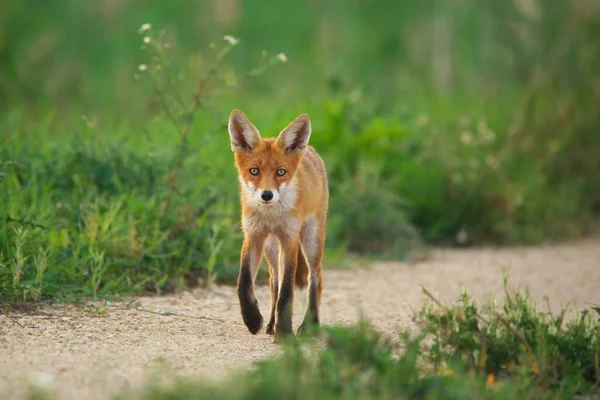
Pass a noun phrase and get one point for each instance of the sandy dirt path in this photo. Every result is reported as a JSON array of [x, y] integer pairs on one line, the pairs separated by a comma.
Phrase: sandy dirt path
[[87, 354]]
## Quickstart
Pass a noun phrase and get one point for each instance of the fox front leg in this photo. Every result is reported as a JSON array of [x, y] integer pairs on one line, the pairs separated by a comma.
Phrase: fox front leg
[[250, 258]]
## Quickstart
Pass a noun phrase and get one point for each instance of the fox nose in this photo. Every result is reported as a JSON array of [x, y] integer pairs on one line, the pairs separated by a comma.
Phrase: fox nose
[[267, 195]]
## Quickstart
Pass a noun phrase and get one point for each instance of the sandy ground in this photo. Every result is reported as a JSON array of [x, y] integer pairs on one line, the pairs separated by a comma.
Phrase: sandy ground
[[89, 353]]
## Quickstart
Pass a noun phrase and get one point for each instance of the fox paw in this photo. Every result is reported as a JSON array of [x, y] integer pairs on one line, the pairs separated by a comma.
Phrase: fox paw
[[280, 337], [270, 328], [252, 317], [307, 328]]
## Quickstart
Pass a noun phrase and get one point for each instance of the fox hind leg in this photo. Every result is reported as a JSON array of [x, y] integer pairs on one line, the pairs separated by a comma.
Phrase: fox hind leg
[[272, 256], [285, 295], [312, 240]]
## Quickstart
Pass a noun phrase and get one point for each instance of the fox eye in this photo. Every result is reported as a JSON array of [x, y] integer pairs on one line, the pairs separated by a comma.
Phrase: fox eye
[[280, 172], [254, 171]]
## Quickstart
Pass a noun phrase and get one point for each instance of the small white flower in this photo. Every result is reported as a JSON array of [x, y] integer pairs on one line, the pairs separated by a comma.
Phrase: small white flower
[[232, 41], [282, 57], [488, 136], [492, 162], [465, 137], [145, 27], [481, 126], [142, 67], [147, 39]]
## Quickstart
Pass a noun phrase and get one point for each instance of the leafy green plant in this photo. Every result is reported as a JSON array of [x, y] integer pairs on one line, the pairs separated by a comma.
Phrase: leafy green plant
[[467, 350], [118, 216], [514, 340], [372, 217], [163, 76]]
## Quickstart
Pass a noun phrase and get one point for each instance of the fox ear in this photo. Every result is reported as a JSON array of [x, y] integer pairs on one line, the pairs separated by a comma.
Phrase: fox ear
[[244, 136], [294, 138]]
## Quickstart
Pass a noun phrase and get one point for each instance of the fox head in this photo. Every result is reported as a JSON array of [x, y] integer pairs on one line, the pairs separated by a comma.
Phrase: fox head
[[267, 167]]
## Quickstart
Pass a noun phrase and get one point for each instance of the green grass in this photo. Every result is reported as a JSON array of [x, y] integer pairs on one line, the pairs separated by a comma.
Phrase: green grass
[[468, 350], [118, 179], [84, 213]]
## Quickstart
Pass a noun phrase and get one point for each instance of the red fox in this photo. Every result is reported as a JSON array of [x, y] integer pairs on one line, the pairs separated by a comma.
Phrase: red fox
[[284, 197]]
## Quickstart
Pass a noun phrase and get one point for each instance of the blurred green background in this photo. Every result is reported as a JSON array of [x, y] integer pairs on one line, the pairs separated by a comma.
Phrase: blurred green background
[[452, 122]]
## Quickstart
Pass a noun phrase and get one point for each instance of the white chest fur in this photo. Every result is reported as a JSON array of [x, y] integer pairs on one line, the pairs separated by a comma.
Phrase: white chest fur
[[274, 218]]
